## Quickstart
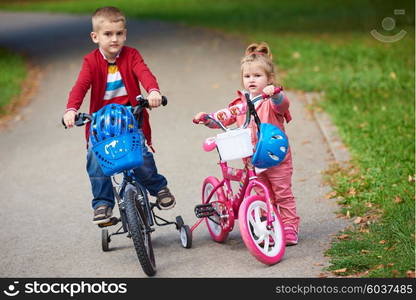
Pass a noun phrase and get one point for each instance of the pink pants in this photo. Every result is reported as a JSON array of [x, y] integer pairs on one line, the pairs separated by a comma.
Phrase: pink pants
[[279, 182]]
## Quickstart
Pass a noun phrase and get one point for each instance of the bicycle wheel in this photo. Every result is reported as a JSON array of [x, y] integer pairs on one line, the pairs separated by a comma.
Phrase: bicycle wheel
[[221, 223], [141, 238], [267, 246]]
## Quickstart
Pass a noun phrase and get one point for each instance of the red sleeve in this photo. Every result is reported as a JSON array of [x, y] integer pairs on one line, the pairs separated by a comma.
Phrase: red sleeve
[[143, 73], [81, 87], [280, 106]]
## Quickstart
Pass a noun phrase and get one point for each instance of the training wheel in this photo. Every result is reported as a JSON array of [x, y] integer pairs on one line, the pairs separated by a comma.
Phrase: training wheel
[[105, 240], [186, 236], [179, 222]]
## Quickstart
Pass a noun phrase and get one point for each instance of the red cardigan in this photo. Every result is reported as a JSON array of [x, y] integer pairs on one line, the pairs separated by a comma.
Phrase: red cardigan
[[93, 75]]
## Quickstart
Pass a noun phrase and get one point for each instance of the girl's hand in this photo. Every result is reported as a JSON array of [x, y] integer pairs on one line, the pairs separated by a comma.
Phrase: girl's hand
[[200, 118], [269, 90], [154, 98], [69, 118]]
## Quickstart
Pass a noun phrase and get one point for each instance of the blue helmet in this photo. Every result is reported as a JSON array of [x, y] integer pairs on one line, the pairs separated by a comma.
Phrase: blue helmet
[[271, 148], [110, 121]]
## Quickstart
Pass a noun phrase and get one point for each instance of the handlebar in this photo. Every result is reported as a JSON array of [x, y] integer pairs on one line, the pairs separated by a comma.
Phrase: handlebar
[[249, 110], [83, 118]]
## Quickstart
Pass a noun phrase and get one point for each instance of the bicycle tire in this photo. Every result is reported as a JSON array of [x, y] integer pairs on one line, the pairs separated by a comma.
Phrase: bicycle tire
[[219, 232], [137, 229], [267, 246]]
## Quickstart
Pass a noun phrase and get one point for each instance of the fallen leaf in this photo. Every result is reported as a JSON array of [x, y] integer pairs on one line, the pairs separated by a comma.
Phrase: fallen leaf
[[379, 267], [382, 242], [365, 251], [343, 236], [393, 75], [340, 270], [369, 204], [340, 215], [411, 178], [361, 274], [395, 273], [390, 265], [352, 192], [397, 199], [323, 275], [331, 195], [410, 274], [348, 214], [358, 220]]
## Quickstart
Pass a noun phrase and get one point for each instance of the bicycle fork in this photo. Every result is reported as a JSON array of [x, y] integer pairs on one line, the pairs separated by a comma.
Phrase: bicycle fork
[[253, 182]]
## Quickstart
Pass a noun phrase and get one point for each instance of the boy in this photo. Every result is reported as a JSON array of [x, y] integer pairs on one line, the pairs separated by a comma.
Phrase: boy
[[113, 72]]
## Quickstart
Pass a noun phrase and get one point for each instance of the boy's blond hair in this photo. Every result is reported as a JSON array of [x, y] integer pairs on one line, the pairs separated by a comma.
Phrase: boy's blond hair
[[108, 13], [260, 54]]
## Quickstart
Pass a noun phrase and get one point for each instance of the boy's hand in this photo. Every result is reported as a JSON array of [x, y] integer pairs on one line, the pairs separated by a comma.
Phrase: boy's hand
[[155, 99], [269, 90], [69, 118]]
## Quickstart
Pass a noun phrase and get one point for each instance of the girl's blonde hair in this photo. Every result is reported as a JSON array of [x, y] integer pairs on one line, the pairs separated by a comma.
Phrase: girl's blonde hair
[[260, 54]]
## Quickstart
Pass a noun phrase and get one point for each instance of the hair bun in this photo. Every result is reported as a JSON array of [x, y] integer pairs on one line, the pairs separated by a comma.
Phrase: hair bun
[[262, 48]]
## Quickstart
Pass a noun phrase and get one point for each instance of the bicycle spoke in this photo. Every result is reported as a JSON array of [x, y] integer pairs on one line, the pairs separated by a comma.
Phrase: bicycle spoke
[[257, 214]]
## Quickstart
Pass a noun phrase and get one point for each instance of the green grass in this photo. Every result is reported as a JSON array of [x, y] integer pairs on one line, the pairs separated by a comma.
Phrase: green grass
[[13, 73], [369, 92]]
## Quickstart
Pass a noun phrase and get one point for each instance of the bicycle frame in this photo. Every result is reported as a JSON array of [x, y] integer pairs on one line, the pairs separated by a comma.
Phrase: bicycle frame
[[248, 181]]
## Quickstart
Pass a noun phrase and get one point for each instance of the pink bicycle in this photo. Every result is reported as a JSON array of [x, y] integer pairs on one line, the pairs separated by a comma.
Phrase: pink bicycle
[[259, 221]]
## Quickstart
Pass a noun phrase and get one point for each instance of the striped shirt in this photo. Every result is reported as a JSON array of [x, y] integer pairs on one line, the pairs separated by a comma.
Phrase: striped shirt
[[115, 89]]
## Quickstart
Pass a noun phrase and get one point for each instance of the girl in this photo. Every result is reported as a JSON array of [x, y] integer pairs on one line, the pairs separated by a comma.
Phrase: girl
[[258, 76]]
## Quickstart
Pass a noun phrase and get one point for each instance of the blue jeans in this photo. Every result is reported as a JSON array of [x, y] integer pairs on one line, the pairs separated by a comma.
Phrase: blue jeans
[[102, 187]]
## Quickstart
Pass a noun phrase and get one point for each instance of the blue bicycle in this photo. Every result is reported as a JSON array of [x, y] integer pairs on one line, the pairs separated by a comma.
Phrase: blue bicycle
[[120, 154]]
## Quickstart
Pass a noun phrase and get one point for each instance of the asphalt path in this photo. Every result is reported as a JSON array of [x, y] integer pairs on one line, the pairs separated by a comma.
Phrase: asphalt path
[[45, 192]]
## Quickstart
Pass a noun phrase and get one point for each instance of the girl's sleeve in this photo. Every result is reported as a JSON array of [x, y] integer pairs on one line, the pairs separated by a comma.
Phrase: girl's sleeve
[[280, 104], [143, 73], [81, 87]]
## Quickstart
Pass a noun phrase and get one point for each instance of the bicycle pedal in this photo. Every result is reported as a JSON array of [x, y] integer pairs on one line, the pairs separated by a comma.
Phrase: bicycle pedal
[[204, 210], [113, 221]]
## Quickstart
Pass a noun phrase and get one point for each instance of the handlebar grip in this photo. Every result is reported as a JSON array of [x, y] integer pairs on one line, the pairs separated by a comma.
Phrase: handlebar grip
[[145, 103], [164, 101], [80, 119], [203, 118]]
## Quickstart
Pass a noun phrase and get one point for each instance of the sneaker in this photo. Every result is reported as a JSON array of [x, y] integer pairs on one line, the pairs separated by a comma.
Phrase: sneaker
[[291, 236], [102, 214], [165, 200]]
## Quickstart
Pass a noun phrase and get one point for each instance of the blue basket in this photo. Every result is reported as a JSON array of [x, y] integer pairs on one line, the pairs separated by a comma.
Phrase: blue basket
[[119, 153]]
